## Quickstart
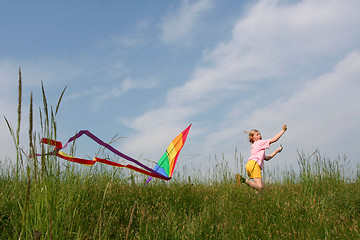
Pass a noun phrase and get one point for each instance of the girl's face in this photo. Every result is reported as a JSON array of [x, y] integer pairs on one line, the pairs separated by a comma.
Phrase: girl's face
[[257, 136]]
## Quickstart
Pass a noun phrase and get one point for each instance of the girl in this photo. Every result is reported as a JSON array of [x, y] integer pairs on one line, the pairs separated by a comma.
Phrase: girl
[[256, 160]]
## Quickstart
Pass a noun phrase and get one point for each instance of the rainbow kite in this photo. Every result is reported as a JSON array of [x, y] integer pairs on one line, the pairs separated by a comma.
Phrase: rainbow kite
[[167, 162], [163, 169]]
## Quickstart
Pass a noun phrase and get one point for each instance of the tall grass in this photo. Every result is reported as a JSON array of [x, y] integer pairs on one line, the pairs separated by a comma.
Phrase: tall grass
[[40, 199]]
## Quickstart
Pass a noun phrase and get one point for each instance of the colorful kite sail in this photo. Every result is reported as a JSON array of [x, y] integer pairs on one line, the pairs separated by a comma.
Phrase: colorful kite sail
[[167, 162], [163, 169]]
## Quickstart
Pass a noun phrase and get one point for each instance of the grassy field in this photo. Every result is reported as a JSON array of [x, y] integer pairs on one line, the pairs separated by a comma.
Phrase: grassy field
[[104, 205], [42, 199]]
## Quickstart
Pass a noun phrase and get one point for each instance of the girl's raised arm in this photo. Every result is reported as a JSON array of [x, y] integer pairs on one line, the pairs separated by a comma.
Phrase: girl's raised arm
[[277, 136], [268, 157]]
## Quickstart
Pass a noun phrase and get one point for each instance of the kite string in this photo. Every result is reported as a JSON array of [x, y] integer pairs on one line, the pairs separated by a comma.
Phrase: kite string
[[100, 142]]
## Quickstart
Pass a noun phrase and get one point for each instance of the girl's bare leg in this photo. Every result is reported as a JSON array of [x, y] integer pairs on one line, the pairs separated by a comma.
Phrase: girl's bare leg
[[257, 183]]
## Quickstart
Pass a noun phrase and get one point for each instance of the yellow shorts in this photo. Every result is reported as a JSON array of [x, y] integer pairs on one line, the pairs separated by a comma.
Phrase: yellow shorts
[[253, 169]]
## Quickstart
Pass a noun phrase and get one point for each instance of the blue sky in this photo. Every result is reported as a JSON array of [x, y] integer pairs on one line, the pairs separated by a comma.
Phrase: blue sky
[[147, 69]]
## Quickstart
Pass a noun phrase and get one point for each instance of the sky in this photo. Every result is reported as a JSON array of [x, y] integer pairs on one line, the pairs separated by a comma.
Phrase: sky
[[145, 70]]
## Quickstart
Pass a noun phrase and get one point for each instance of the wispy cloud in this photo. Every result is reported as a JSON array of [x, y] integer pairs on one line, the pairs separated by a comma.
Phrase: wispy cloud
[[135, 38], [113, 91], [52, 71], [273, 46], [178, 26], [319, 114], [132, 40], [286, 61]]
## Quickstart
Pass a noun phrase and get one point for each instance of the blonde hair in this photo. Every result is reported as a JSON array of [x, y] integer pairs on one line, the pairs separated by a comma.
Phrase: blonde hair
[[251, 135]]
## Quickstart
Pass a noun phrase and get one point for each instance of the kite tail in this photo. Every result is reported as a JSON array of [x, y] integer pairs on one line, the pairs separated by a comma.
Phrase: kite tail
[[149, 179], [58, 146], [163, 169]]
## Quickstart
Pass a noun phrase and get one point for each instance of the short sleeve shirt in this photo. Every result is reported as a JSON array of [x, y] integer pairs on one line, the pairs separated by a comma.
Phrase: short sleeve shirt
[[258, 151]]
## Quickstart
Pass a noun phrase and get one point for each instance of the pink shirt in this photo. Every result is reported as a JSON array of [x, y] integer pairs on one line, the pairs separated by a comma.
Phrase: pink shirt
[[258, 151]]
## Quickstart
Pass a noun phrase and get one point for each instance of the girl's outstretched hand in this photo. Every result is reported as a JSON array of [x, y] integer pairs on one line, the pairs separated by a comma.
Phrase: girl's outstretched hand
[[284, 127], [280, 148]]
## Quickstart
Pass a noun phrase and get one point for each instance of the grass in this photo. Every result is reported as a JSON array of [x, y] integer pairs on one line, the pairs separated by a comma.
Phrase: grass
[[39, 199], [103, 206]]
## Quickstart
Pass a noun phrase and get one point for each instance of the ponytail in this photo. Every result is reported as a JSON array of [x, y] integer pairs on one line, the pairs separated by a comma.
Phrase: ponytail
[[251, 135]]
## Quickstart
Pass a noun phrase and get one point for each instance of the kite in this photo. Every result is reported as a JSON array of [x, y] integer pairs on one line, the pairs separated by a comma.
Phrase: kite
[[167, 162], [163, 169]]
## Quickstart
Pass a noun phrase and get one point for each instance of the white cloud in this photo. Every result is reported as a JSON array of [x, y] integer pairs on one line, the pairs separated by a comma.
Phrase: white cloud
[[329, 108], [101, 93], [308, 23], [272, 41], [128, 40], [130, 84], [269, 42], [135, 38], [320, 115], [52, 71], [177, 27]]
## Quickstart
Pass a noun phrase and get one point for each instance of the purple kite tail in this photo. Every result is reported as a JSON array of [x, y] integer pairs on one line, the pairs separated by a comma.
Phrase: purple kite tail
[[149, 179]]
